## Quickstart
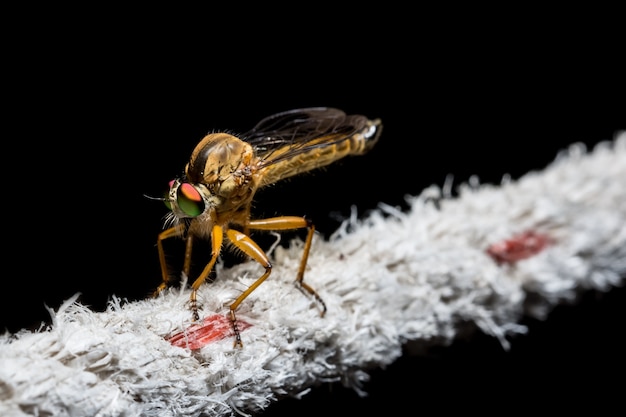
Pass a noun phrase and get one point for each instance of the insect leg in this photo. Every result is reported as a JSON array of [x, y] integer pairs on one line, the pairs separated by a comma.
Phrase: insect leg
[[187, 261], [217, 236], [290, 223], [250, 248], [166, 234]]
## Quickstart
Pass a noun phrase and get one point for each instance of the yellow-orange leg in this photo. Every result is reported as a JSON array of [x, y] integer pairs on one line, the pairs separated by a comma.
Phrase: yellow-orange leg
[[166, 234], [250, 248], [217, 237], [290, 223]]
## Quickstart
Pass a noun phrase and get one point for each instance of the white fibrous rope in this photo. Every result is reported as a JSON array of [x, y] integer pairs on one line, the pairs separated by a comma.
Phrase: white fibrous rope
[[485, 258]]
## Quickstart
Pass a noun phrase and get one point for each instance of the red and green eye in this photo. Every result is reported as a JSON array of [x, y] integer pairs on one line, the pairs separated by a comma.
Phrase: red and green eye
[[188, 199]]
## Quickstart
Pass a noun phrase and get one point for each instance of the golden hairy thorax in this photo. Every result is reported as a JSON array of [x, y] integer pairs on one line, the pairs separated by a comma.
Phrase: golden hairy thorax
[[226, 166]]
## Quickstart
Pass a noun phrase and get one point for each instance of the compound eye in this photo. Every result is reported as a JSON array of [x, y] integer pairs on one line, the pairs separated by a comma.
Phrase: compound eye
[[189, 200]]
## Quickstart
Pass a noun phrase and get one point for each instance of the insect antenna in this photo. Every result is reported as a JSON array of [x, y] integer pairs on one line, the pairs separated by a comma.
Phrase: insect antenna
[[154, 198]]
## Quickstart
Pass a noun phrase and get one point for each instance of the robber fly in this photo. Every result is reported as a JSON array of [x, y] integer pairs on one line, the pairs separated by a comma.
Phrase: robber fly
[[212, 199]]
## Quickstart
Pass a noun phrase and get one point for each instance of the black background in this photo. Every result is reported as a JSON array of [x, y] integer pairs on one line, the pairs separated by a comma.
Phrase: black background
[[99, 115]]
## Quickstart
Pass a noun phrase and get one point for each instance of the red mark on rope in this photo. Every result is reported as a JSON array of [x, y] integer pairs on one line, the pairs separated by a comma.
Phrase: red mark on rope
[[518, 247], [212, 329]]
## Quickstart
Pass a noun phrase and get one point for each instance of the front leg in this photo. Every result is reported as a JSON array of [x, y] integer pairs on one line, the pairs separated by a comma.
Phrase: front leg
[[217, 237], [166, 234]]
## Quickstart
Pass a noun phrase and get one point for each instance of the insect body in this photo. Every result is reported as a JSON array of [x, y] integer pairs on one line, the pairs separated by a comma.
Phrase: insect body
[[212, 199]]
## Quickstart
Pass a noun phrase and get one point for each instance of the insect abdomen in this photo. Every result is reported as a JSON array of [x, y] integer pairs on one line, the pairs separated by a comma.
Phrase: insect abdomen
[[325, 154]]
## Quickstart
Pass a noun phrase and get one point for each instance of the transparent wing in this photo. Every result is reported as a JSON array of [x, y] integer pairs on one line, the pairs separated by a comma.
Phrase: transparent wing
[[287, 134]]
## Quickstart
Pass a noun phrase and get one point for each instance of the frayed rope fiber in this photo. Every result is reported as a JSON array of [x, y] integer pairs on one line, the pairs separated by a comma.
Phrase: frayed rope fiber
[[484, 259]]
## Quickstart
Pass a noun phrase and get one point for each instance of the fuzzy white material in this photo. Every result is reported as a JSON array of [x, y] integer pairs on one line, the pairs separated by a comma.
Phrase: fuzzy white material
[[393, 279]]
